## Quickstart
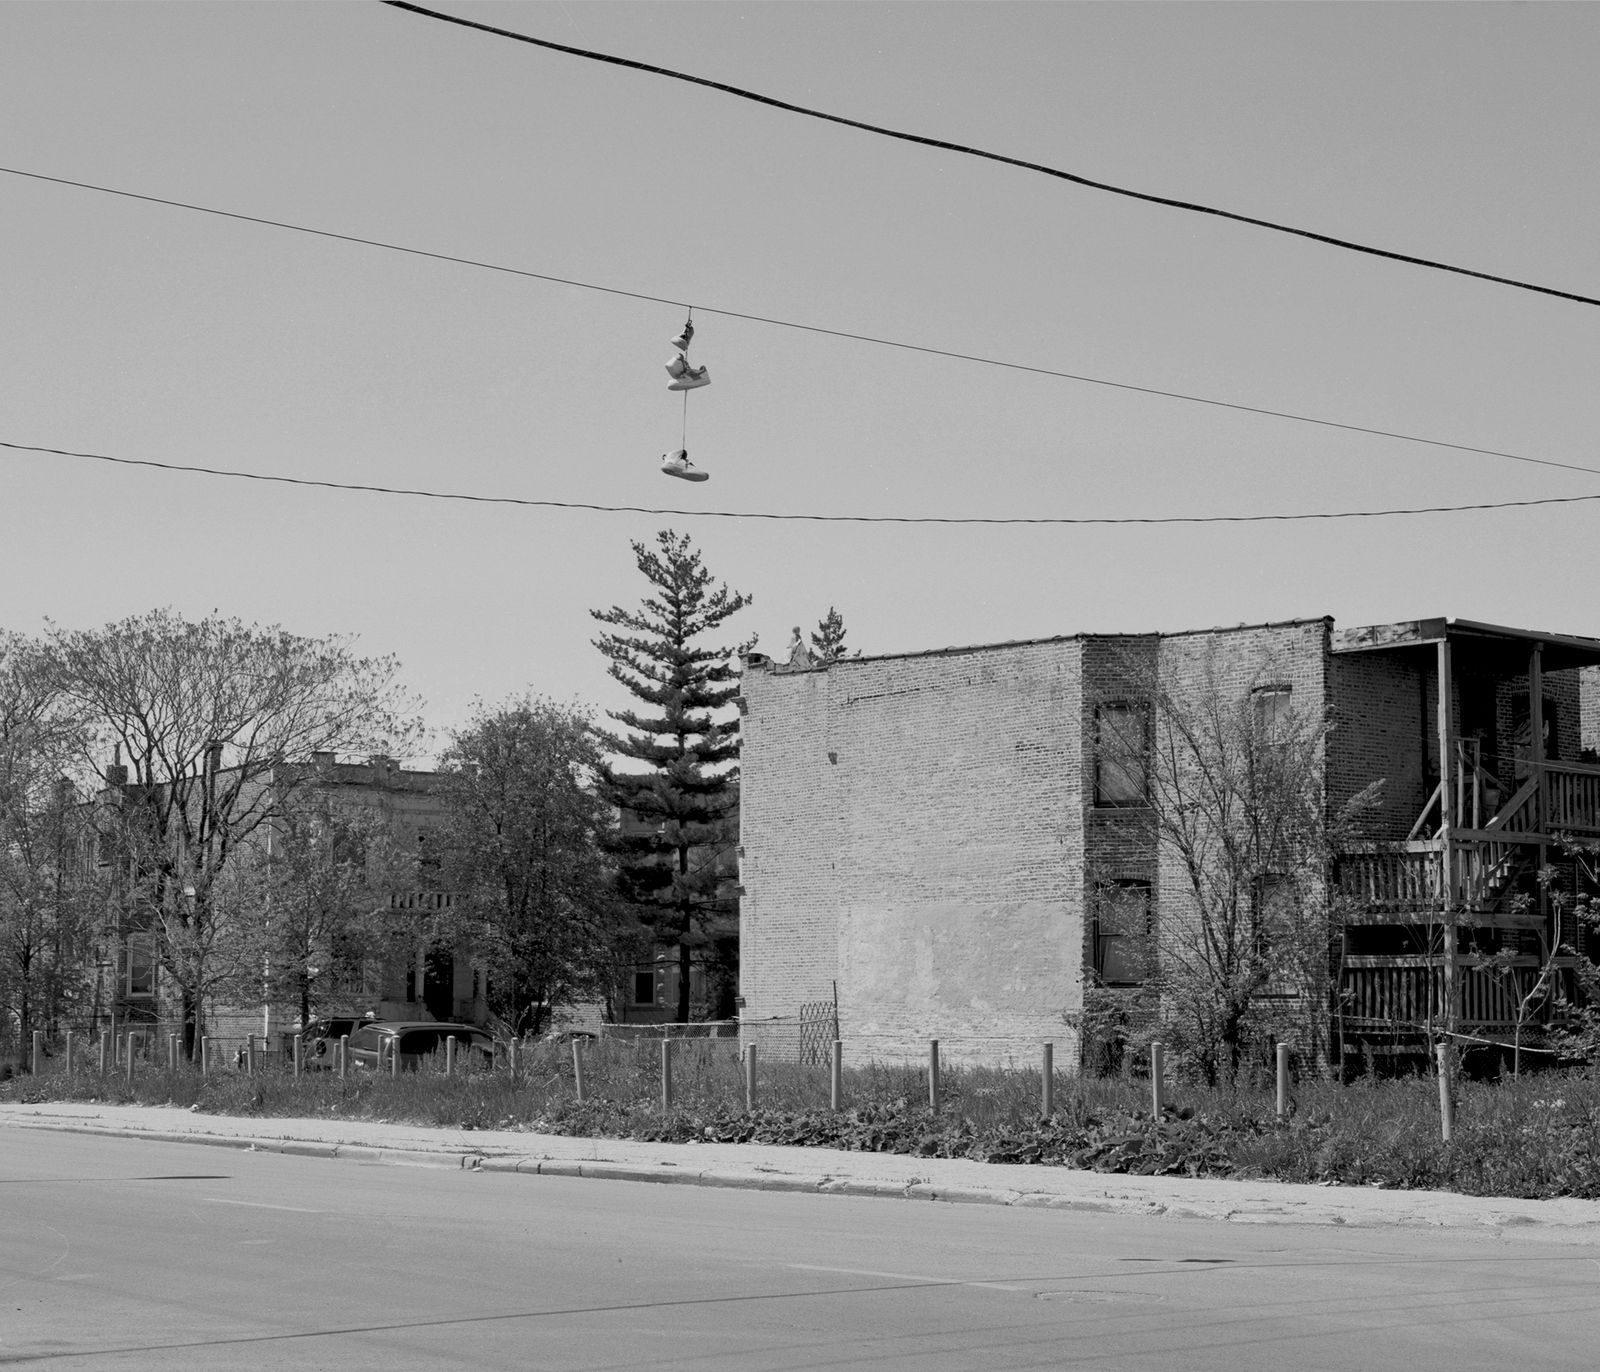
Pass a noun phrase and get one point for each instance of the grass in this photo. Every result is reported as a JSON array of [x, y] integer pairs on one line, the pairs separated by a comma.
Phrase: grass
[[1539, 1137]]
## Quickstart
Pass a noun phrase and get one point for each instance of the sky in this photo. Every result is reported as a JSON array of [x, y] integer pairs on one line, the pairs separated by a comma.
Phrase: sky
[[1464, 133]]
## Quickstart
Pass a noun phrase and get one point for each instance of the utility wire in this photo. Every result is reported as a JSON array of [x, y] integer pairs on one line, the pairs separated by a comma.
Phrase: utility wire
[[947, 146], [796, 518], [805, 328]]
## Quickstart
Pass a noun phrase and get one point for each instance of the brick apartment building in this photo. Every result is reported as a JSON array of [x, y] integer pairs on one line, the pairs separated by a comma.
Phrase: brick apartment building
[[435, 982], [927, 838]]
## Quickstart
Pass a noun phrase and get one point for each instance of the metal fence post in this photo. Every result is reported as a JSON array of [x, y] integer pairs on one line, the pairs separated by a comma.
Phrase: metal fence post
[[1157, 1062], [836, 1077], [250, 1055], [205, 1055], [172, 1052], [394, 1059], [1283, 1081], [105, 1039], [38, 1050], [511, 1058], [69, 1055], [1447, 1104], [666, 1074], [344, 1054], [450, 1056], [297, 1045], [750, 1076], [933, 1075], [577, 1070], [127, 1048], [1047, 1088]]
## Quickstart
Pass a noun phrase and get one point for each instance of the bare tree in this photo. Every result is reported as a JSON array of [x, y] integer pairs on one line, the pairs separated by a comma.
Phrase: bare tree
[[322, 875], [207, 714], [1246, 840], [46, 912]]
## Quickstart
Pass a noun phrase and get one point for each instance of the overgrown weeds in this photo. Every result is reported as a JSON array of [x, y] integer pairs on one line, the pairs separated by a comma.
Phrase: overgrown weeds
[[1538, 1137]]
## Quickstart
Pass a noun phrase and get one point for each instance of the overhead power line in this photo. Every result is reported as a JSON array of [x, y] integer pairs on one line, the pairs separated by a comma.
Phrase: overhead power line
[[786, 517], [946, 146], [805, 328]]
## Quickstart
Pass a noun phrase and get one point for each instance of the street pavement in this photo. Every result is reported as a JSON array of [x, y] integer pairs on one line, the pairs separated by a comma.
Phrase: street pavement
[[770, 1167]]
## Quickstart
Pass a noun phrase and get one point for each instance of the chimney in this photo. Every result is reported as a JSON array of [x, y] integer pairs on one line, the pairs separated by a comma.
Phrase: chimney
[[323, 759], [116, 773], [213, 757]]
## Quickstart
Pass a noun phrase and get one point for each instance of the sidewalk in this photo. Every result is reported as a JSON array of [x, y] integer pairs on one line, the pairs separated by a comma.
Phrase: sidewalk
[[820, 1170]]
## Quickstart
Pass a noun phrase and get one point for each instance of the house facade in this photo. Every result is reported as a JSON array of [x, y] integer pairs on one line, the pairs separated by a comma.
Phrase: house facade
[[931, 842]]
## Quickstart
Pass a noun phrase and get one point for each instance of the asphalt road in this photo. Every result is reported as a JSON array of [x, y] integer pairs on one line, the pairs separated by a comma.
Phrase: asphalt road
[[119, 1253]]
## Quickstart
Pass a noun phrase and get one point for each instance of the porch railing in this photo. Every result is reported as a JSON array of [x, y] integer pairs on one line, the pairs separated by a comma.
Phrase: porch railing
[[1407, 994]]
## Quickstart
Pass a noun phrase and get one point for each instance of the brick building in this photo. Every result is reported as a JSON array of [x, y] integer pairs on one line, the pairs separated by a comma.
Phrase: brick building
[[928, 840], [431, 981]]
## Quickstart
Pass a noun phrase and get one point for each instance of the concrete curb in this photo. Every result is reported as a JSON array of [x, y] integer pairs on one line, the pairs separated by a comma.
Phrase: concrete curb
[[1106, 1194]]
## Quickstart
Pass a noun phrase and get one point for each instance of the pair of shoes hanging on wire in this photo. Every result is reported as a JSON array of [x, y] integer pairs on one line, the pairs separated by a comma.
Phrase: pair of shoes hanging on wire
[[684, 376]]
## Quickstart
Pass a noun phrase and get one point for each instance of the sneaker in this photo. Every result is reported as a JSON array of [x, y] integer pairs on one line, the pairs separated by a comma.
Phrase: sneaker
[[678, 464], [677, 367], [692, 377], [681, 342]]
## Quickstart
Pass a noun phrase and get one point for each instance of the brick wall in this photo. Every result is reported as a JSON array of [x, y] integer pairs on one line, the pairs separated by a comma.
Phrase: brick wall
[[1384, 729], [1589, 709], [912, 829]]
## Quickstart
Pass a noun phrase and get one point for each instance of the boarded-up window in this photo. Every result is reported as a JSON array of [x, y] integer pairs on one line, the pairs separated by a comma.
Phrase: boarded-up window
[[1122, 933], [1122, 752]]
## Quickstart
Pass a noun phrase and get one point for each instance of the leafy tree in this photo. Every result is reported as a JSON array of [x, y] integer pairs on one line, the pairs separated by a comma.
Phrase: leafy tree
[[207, 714], [46, 909], [827, 644], [679, 809], [523, 848]]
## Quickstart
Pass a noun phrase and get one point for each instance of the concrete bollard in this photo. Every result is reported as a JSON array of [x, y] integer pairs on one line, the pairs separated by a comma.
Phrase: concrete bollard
[[1283, 1081], [750, 1076], [1158, 1055], [666, 1074], [450, 1057], [1047, 1087], [344, 1054], [836, 1077], [577, 1070], [933, 1075], [38, 1051]]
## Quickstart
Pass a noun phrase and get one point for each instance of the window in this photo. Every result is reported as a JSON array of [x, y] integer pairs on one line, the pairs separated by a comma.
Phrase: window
[[644, 988], [1271, 705], [1274, 907], [1122, 753], [141, 965], [1122, 933]]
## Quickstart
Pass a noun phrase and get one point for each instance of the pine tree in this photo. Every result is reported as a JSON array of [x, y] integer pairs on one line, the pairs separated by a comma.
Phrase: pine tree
[[827, 644], [679, 811]]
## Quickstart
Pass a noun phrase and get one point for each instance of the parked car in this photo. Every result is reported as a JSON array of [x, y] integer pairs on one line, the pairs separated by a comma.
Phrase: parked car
[[417, 1040], [319, 1040]]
